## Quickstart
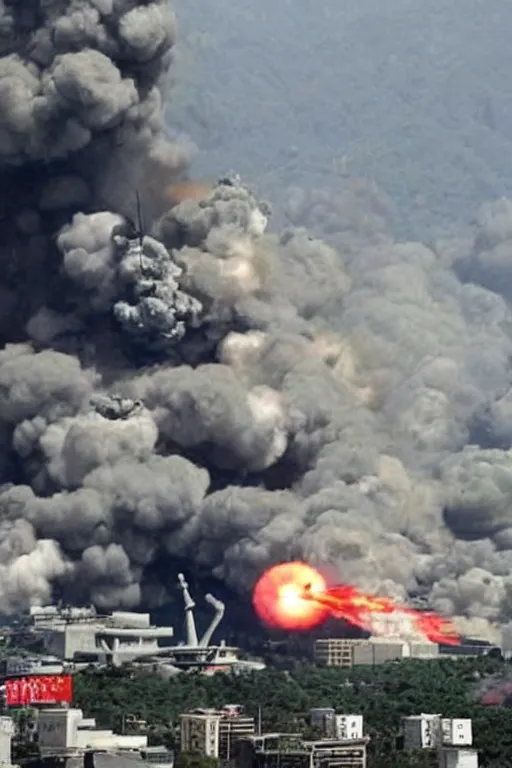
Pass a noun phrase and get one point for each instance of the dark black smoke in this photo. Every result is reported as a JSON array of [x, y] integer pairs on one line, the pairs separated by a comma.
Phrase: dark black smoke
[[210, 392]]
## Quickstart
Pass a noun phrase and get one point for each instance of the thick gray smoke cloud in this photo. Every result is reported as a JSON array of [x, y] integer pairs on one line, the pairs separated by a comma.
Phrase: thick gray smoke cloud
[[215, 392]]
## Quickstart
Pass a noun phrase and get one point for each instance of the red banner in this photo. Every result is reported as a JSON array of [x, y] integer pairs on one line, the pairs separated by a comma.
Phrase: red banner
[[39, 689]]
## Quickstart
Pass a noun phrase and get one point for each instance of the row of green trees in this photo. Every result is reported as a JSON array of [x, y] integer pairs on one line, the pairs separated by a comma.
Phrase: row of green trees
[[383, 694]]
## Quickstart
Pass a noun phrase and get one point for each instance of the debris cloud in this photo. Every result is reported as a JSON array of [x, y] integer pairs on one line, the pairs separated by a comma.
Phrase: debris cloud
[[210, 390]]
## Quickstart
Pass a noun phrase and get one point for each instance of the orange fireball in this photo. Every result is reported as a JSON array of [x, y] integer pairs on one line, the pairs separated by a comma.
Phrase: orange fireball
[[279, 601], [295, 596]]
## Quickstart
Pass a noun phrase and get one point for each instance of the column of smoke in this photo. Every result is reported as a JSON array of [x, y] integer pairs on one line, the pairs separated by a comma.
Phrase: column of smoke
[[217, 392]]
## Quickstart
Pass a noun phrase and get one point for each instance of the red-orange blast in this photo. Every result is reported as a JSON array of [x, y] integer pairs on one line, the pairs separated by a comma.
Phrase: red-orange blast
[[295, 596], [278, 601]]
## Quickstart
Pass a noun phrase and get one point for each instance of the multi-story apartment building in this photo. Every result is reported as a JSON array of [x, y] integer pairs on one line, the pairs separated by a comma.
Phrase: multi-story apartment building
[[344, 727], [214, 732], [336, 726], [451, 738], [335, 651], [319, 715]]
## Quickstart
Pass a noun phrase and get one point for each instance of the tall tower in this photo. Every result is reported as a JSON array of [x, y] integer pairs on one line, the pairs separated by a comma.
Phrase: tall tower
[[190, 624]]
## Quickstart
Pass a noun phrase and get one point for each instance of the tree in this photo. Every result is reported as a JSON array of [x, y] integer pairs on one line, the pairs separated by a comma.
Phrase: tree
[[382, 694], [193, 760]]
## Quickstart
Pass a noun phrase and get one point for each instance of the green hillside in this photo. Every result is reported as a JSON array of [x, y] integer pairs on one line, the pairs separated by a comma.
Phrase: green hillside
[[383, 694]]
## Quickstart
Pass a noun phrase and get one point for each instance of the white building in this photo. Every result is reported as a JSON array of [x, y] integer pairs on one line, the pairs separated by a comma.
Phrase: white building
[[457, 732], [422, 731], [66, 731], [431, 731], [344, 727], [6, 734], [458, 758], [451, 737], [379, 650], [79, 634], [347, 652]]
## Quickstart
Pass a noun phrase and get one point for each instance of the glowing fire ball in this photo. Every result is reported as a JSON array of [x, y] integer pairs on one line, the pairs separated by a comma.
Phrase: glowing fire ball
[[278, 601], [293, 596]]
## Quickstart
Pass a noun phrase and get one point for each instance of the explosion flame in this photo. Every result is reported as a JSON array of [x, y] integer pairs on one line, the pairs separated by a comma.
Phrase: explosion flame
[[278, 597], [294, 596]]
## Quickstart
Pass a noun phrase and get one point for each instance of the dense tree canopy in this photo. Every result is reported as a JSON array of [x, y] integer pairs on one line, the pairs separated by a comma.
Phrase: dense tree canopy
[[383, 694]]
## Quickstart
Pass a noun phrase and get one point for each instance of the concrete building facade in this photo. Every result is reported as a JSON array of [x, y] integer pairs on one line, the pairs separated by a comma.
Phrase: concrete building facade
[[17, 666], [152, 757], [427, 731], [347, 652], [335, 651], [379, 650], [199, 733], [344, 727], [451, 738], [81, 635], [6, 734], [291, 751], [215, 733], [319, 715], [421, 731], [231, 730], [65, 731], [457, 758], [340, 727], [457, 732]]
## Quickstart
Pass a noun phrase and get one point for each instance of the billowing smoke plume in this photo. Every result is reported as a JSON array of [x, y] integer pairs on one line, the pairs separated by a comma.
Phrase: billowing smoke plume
[[206, 390]]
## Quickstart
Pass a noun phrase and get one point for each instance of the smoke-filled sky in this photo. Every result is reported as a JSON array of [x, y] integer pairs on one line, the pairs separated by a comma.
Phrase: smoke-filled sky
[[219, 392], [411, 94]]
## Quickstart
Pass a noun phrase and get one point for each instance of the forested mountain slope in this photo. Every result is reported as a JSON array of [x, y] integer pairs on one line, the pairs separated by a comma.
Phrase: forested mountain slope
[[416, 96]]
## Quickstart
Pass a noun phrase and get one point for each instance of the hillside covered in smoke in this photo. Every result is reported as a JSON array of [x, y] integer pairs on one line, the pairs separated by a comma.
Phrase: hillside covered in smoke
[[413, 95], [217, 393]]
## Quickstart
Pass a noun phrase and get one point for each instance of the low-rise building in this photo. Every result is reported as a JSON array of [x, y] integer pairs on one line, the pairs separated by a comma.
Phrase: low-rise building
[[79, 634], [319, 715], [344, 727], [451, 738], [347, 652], [336, 726], [199, 733], [63, 732], [292, 751], [457, 758], [379, 650], [158, 757], [336, 651], [6, 733], [456, 732], [422, 731], [215, 732], [20, 666], [427, 731]]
